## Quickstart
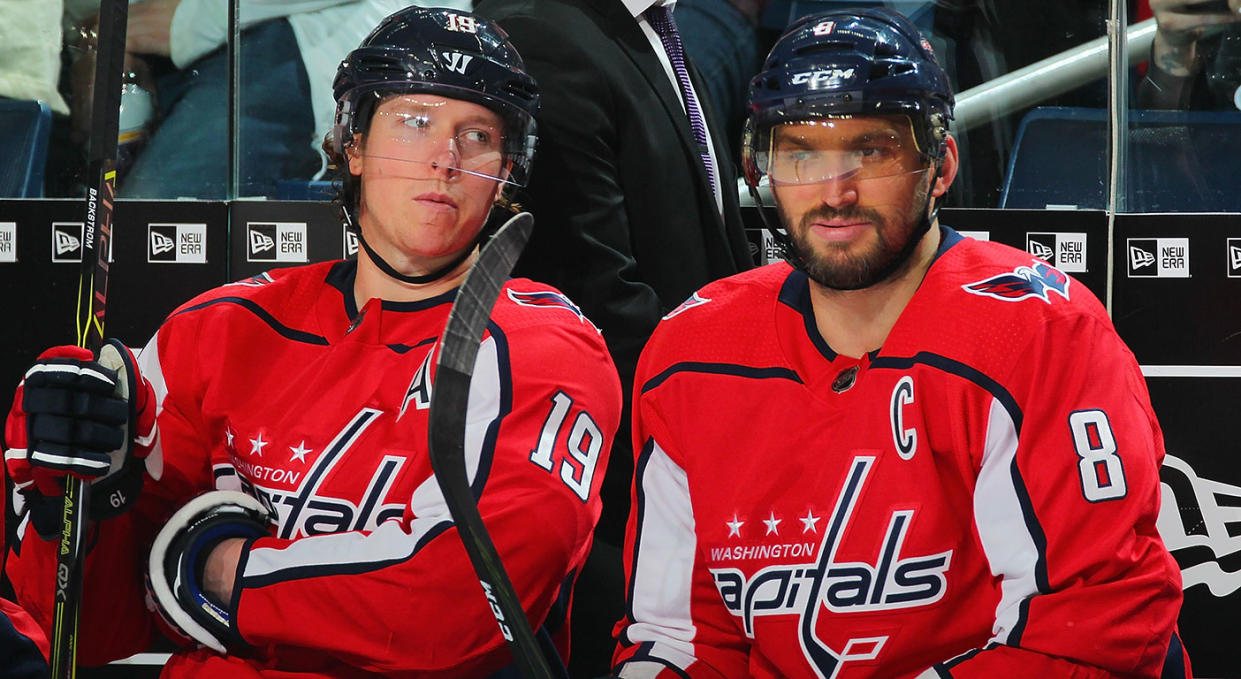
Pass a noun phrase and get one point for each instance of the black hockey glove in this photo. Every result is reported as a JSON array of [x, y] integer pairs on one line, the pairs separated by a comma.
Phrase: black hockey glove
[[78, 415]]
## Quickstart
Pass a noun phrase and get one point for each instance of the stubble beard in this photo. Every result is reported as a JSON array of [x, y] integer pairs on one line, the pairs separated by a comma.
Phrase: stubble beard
[[834, 267]]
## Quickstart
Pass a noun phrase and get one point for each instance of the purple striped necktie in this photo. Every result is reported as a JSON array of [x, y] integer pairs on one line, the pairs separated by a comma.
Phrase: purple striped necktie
[[660, 18]]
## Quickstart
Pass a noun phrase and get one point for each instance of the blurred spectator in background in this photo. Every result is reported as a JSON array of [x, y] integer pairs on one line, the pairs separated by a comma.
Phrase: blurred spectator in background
[[288, 53], [722, 37], [30, 39], [1196, 56]]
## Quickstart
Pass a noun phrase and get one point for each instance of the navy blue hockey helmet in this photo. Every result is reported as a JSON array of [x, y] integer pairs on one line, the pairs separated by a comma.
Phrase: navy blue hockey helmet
[[848, 62], [446, 52]]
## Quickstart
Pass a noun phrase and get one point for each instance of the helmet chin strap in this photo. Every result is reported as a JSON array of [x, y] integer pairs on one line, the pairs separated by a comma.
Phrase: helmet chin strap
[[348, 213], [425, 278]]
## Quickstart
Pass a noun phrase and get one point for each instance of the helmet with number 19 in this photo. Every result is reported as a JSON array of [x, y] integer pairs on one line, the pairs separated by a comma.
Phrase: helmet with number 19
[[431, 58]]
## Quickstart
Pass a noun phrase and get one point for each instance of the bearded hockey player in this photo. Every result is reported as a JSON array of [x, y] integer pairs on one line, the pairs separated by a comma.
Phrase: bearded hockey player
[[903, 453], [289, 524]]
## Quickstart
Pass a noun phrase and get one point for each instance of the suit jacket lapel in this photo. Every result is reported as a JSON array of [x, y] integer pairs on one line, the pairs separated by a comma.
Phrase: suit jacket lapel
[[633, 41]]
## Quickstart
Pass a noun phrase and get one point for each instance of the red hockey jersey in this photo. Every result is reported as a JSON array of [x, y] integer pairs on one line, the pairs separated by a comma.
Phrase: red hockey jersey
[[977, 498], [278, 386]]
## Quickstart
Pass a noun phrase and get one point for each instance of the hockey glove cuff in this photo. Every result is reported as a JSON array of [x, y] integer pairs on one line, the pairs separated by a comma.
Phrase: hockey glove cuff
[[178, 557]]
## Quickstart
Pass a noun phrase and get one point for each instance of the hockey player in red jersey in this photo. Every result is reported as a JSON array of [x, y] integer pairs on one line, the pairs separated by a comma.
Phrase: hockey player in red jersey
[[289, 524], [903, 453], [23, 645]]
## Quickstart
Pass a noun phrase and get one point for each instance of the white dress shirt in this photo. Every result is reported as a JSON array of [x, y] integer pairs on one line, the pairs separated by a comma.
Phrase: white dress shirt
[[636, 8]]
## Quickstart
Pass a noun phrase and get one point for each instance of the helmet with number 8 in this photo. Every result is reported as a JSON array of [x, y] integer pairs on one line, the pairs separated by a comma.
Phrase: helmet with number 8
[[848, 62]]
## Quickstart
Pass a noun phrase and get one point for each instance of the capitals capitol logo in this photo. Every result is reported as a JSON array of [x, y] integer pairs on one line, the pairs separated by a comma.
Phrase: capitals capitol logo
[[895, 580]]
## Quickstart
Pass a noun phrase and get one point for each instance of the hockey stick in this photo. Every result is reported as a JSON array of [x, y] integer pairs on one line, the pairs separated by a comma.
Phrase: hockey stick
[[446, 434], [91, 304]]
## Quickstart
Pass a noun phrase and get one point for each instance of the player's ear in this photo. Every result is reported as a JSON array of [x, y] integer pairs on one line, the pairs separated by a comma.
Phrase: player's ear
[[948, 168], [354, 153]]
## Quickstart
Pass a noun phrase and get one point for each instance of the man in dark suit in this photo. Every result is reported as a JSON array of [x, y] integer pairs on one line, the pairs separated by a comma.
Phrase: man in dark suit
[[627, 221]]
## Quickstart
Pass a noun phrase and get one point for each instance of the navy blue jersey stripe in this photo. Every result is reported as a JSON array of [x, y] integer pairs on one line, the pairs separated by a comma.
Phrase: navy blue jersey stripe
[[948, 237], [943, 668], [406, 348], [639, 475], [1040, 542], [351, 568], [1023, 608], [644, 654], [343, 274], [959, 369], [504, 374], [746, 371], [795, 294], [251, 306]]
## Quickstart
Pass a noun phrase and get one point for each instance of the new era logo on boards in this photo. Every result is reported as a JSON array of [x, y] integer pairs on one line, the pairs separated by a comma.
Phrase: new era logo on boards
[[276, 242], [1041, 250], [1064, 250], [1234, 257], [67, 242], [260, 242], [161, 244], [8, 241], [174, 243], [1158, 257], [1139, 258], [350, 242]]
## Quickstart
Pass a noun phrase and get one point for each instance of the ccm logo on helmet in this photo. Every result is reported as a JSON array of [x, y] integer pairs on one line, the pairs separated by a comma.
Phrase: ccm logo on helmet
[[826, 78]]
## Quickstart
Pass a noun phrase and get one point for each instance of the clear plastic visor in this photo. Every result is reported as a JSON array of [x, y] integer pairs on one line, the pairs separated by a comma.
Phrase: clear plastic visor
[[418, 140], [841, 148]]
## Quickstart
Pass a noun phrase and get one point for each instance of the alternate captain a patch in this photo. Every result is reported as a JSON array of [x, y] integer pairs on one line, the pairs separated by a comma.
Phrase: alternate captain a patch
[[1023, 282], [548, 299]]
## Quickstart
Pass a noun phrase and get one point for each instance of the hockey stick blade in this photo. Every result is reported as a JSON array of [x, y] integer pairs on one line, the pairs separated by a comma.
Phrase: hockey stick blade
[[89, 315], [446, 434]]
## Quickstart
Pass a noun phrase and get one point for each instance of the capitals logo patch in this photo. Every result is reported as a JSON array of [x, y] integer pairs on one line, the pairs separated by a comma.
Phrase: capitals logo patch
[[1023, 282], [550, 300], [693, 301], [255, 281]]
